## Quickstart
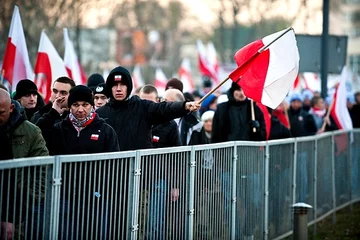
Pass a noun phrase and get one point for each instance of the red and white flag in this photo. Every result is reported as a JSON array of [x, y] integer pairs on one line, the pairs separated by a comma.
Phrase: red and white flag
[[160, 81], [48, 67], [16, 64], [213, 61], [339, 110], [138, 80], [72, 64], [204, 62], [266, 75], [185, 76]]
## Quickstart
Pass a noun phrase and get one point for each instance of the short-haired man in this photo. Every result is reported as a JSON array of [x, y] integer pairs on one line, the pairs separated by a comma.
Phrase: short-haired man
[[186, 124], [165, 134], [60, 89]]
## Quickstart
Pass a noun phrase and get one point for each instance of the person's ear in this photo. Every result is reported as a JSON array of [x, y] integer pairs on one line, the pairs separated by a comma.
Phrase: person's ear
[[12, 108]]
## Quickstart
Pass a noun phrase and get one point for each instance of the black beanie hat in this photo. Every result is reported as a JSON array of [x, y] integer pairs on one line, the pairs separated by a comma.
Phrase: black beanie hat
[[80, 93], [94, 80], [174, 83], [25, 87], [101, 89], [119, 74]]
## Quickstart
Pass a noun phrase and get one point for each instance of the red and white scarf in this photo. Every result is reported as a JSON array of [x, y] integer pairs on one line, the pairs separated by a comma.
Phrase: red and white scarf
[[81, 124]]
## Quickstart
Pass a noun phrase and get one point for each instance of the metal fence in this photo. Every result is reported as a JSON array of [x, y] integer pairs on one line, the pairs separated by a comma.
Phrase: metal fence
[[233, 190]]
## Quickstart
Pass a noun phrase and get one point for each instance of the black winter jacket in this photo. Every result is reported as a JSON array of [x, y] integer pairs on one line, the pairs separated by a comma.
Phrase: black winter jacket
[[224, 125], [166, 135], [97, 137], [302, 123], [278, 130], [133, 119]]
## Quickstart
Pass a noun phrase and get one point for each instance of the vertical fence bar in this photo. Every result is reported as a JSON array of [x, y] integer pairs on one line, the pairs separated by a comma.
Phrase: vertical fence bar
[[266, 191], [55, 203], [315, 183], [294, 171], [191, 191], [135, 197], [333, 176], [233, 203]]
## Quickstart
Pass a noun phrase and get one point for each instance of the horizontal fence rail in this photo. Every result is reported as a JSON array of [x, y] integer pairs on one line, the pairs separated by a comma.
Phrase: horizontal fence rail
[[232, 190]]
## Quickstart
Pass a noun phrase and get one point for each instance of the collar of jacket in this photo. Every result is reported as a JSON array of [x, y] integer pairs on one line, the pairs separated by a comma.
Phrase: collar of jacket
[[14, 121]]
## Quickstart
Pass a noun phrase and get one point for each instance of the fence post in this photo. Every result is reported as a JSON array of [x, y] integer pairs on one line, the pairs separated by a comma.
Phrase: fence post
[[233, 203], [315, 183], [301, 221], [191, 211], [266, 191], [294, 171], [333, 176], [55, 199], [135, 197]]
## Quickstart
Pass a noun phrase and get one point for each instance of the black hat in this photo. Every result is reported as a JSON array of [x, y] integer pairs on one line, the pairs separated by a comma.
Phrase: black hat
[[174, 83], [25, 87], [235, 86], [119, 74], [101, 89], [94, 80], [80, 93]]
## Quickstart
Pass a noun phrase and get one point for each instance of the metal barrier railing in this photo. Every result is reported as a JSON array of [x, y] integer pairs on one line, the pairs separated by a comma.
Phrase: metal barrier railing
[[233, 190]]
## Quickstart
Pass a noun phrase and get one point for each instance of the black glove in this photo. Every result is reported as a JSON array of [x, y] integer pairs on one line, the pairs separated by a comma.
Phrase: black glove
[[254, 124]]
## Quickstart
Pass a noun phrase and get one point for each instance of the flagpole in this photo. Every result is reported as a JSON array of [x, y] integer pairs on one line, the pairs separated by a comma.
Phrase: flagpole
[[2, 76], [245, 64], [253, 114], [213, 90], [322, 129]]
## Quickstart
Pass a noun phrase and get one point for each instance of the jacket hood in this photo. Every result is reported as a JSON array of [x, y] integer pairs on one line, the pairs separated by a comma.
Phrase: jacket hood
[[119, 74]]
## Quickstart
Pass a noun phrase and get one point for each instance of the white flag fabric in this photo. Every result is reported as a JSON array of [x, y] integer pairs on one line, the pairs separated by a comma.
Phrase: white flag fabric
[[339, 111], [48, 67], [160, 81], [16, 64], [185, 76], [71, 61]]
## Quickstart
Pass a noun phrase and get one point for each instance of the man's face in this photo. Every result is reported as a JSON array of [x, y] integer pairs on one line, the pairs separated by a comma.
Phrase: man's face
[[119, 91], [80, 109], [29, 100], [320, 104], [60, 90], [6, 109], [239, 95], [100, 100], [208, 125], [296, 104], [149, 96]]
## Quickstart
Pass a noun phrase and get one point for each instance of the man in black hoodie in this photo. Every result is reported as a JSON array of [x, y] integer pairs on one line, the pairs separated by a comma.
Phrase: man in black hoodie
[[232, 120], [132, 117]]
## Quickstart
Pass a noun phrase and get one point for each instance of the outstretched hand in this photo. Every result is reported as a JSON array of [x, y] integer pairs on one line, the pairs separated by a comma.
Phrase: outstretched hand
[[192, 106]]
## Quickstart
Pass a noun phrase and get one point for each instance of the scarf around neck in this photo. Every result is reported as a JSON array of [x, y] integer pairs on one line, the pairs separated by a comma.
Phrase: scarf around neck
[[81, 124], [318, 112]]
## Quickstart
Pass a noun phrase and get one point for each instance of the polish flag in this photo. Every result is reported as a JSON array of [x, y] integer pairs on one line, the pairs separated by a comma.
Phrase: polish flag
[[160, 81], [185, 76], [72, 63], [213, 61], [48, 67], [16, 64], [339, 110], [205, 67], [138, 80], [267, 68], [267, 119]]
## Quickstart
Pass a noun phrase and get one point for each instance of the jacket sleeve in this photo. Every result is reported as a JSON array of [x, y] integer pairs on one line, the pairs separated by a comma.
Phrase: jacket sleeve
[[111, 142], [46, 123], [163, 112], [38, 144]]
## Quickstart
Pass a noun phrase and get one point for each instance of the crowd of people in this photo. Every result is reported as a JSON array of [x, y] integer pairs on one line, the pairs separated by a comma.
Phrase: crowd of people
[[105, 116]]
